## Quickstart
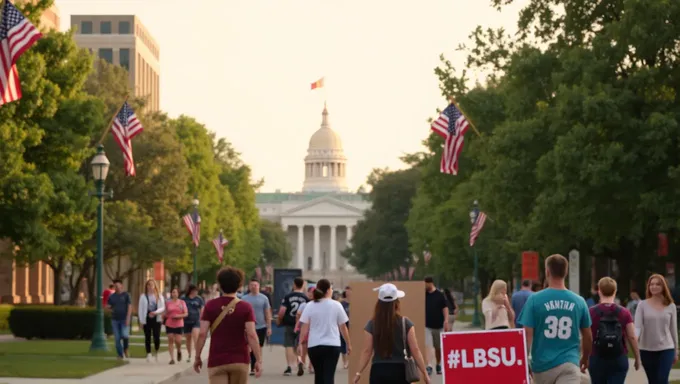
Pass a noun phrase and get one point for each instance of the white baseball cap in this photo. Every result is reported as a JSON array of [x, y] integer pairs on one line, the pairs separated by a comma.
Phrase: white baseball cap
[[388, 292]]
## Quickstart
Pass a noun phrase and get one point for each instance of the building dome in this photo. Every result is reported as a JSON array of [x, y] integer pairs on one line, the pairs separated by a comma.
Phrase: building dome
[[325, 137]]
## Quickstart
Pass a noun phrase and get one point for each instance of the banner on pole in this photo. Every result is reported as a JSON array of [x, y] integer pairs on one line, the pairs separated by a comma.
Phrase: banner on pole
[[530, 265], [485, 357]]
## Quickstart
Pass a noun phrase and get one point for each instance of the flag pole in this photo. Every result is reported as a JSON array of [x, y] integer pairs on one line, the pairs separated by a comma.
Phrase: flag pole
[[108, 127], [453, 101]]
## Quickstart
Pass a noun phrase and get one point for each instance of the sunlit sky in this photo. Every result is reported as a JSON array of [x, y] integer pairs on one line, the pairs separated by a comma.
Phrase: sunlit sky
[[244, 69]]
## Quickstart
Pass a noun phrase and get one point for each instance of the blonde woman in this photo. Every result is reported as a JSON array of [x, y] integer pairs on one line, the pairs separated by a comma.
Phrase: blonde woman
[[498, 313], [151, 307]]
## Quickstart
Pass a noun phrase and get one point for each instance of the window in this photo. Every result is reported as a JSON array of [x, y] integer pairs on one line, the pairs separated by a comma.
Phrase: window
[[86, 27], [124, 58], [124, 27], [105, 28], [106, 54]]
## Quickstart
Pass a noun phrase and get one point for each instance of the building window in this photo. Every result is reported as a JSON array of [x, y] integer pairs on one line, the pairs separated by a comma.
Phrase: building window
[[105, 27], [124, 58], [106, 54], [86, 27], [124, 27]]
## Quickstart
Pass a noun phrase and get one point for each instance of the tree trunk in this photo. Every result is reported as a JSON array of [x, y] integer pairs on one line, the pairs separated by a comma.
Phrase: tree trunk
[[57, 281]]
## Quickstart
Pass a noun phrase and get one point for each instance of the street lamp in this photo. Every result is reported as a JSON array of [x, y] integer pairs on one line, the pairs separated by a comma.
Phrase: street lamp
[[100, 169], [194, 250], [476, 321]]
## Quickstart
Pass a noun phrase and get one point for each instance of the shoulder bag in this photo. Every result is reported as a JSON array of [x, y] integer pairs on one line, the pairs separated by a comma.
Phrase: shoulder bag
[[226, 310], [412, 373]]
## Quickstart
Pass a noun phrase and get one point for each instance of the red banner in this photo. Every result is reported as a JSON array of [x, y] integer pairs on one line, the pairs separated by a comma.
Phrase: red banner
[[485, 357], [662, 248], [530, 265], [159, 271]]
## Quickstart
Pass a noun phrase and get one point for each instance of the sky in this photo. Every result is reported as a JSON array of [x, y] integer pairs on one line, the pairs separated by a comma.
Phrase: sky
[[244, 69]]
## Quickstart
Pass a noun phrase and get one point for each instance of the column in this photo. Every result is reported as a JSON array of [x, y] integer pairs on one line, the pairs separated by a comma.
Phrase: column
[[349, 267], [22, 284], [316, 261], [35, 283], [301, 247], [334, 257]]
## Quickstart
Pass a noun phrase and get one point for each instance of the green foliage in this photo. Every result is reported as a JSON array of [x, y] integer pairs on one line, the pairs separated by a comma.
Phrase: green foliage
[[380, 242], [5, 309], [50, 322], [276, 250]]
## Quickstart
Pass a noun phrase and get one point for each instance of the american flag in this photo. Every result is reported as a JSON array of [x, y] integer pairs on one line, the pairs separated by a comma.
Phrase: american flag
[[193, 224], [477, 227], [17, 34], [403, 272], [411, 271], [427, 256], [220, 242], [258, 273], [270, 271], [451, 125], [125, 127]]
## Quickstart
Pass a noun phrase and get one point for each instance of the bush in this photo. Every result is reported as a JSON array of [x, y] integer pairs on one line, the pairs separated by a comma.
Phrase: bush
[[4, 316], [54, 322]]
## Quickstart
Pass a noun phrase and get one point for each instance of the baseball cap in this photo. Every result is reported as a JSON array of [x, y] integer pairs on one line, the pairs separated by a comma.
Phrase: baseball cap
[[388, 292]]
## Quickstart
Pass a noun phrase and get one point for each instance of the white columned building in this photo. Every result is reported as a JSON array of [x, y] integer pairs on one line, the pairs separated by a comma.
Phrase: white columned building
[[319, 220]]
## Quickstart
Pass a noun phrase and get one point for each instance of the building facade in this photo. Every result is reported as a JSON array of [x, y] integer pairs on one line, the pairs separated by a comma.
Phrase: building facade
[[123, 40], [320, 220]]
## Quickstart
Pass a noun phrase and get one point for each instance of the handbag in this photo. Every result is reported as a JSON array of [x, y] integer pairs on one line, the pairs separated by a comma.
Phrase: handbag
[[411, 368]]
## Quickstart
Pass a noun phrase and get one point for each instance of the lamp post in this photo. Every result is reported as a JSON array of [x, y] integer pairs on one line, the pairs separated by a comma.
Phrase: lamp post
[[476, 321], [194, 250], [100, 169]]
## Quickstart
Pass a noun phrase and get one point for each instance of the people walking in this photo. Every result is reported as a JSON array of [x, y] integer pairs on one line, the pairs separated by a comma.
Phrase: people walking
[[553, 319], [612, 326], [451, 305], [232, 325], [263, 316], [390, 335], [436, 322], [323, 321], [498, 313], [344, 301], [192, 323], [520, 298], [302, 345], [633, 302], [150, 310], [290, 305], [120, 304], [657, 326], [175, 312]]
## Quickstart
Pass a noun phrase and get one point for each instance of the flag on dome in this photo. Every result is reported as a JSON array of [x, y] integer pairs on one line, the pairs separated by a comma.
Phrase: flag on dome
[[451, 125], [17, 34], [317, 84]]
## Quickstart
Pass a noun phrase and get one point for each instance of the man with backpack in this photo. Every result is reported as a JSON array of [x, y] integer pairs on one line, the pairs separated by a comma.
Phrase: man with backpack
[[612, 325]]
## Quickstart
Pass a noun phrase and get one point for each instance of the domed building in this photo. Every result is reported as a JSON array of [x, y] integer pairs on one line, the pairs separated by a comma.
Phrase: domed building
[[319, 220]]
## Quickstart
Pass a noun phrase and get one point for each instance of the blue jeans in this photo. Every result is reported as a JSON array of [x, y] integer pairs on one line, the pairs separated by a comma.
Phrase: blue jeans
[[657, 365], [121, 332], [608, 371]]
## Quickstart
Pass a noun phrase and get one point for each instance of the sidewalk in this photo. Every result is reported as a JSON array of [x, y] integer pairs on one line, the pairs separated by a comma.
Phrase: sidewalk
[[137, 371]]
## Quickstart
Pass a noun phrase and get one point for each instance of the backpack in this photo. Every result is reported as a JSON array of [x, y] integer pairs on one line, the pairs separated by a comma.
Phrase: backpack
[[608, 340]]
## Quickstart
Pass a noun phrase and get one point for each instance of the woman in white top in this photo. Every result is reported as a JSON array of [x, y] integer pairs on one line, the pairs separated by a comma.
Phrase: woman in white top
[[657, 327], [322, 322], [151, 305], [498, 313]]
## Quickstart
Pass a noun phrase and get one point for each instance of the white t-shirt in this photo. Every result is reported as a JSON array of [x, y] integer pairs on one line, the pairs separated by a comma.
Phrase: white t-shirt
[[324, 318]]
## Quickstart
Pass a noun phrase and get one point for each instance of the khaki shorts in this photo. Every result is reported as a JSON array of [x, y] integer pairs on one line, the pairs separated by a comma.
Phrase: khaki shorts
[[229, 373], [432, 337], [566, 373]]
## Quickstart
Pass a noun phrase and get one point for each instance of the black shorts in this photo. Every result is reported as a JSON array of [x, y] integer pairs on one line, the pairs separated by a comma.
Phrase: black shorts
[[188, 327], [174, 331]]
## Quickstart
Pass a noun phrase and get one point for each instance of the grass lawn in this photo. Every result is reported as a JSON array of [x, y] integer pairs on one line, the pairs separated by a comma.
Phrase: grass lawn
[[58, 358]]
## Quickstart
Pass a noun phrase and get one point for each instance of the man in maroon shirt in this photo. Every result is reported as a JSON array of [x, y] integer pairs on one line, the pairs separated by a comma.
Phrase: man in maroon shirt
[[233, 330]]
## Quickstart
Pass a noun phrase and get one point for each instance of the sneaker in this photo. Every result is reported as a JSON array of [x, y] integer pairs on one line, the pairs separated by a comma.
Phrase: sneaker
[[429, 370], [148, 357], [288, 372], [189, 359], [179, 356], [301, 369], [252, 373], [172, 362], [439, 369]]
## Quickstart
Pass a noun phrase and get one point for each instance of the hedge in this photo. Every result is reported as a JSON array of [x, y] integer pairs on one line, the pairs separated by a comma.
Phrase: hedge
[[5, 309], [54, 322]]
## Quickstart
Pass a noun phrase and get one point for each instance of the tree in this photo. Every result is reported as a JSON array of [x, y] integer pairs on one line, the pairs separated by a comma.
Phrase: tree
[[380, 242], [276, 250]]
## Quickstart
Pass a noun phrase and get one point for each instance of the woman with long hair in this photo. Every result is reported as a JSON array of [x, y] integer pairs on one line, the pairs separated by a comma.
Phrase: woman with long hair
[[498, 313], [175, 312], [192, 323], [150, 310], [384, 342], [323, 321], [657, 328]]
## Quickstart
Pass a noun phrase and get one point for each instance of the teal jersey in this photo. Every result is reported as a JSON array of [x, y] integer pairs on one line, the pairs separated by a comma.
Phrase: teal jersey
[[557, 317]]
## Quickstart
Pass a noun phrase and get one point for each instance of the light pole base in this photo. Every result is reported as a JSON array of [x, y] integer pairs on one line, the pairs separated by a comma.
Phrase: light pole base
[[476, 321], [98, 342]]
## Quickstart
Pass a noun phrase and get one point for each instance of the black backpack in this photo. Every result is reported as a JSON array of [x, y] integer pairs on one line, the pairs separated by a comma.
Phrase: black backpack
[[608, 341]]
